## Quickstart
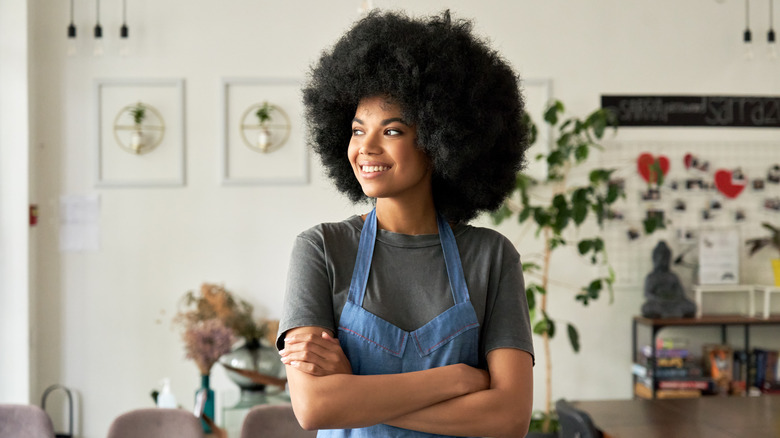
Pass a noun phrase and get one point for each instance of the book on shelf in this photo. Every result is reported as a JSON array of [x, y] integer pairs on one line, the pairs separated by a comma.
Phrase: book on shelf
[[671, 343], [692, 370], [647, 351], [642, 391], [763, 373], [704, 384]]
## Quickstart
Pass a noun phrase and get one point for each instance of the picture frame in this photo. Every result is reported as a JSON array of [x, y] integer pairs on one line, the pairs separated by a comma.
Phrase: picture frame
[[538, 95], [286, 162], [115, 164]]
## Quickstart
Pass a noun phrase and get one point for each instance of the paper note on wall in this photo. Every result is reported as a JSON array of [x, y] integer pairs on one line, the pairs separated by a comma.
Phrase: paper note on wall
[[719, 256], [79, 223]]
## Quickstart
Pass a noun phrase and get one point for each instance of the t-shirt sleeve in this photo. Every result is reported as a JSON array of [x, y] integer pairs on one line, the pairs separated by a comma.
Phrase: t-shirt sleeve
[[307, 298], [507, 322]]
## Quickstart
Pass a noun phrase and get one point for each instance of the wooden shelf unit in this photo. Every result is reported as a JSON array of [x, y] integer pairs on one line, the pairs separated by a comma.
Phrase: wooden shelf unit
[[723, 321]]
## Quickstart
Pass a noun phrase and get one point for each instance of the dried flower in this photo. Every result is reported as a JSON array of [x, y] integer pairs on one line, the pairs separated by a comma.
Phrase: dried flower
[[207, 317], [206, 341], [217, 302]]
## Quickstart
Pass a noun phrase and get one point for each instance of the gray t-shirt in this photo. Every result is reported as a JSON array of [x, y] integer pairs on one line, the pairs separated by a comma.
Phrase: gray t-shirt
[[408, 284]]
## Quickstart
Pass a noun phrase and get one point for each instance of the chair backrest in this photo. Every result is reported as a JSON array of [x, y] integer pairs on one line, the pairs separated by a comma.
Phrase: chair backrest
[[156, 423], [273, 421], [24, 421], [574, 422]]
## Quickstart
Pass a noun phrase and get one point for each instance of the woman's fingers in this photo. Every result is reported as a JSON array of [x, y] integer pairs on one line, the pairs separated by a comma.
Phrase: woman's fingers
[[316, 355]]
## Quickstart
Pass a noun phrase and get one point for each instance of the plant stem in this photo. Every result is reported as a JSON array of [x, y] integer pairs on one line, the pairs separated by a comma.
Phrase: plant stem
[[545, 337]]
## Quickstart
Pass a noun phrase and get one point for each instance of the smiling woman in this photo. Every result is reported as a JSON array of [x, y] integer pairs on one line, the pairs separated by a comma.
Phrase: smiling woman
[[406, 321], [384, 155]]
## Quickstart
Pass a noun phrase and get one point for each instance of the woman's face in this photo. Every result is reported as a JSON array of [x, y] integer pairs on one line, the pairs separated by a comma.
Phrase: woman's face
[[384, 154]]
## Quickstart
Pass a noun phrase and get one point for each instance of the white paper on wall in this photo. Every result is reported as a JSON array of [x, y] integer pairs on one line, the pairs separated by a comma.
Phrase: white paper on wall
[[719, 256], [79, 223]]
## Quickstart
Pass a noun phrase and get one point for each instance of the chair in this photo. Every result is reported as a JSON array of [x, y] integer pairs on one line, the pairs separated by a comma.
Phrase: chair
[[574, 423], [24, 421], [273, 421], [156, 423]]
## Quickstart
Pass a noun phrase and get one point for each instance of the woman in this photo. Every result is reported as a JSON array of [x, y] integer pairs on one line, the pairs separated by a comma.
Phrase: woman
[[406, 321]]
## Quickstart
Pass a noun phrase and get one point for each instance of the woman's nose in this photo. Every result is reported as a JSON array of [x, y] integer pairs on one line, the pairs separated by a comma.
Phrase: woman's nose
[[370, 145]]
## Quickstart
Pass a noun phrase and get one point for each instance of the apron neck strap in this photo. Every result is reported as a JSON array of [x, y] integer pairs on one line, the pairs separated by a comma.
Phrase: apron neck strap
[[365, 254]]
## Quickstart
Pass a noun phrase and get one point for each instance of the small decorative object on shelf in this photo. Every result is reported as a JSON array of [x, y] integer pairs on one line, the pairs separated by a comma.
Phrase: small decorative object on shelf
[[663, 290], [272, 127], [146, 132], [773, 240]]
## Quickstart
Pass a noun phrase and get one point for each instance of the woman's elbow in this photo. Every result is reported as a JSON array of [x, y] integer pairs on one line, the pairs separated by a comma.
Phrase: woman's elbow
[[308, 414], [513, 425]]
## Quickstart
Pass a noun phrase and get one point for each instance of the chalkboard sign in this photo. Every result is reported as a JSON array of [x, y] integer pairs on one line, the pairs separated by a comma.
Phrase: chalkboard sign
[[726, 111]]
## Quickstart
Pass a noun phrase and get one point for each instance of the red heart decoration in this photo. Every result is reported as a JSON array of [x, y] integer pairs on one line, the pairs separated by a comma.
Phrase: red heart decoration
[[688, 160], [645, 161], [725, 184]]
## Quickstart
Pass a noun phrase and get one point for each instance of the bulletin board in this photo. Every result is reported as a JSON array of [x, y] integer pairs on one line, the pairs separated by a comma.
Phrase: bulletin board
[[708, 186]]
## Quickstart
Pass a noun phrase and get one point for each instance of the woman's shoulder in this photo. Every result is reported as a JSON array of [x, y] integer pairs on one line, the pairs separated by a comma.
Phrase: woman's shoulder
[[326, 231], [484, 239]]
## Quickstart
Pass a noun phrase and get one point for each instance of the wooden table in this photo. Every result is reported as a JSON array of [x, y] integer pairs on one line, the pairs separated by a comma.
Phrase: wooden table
[[710, 417]]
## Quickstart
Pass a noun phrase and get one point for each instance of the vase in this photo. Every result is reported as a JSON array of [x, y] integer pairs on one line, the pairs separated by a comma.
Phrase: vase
[[264, 139], [208, 402], [253, 355], [137, 141]]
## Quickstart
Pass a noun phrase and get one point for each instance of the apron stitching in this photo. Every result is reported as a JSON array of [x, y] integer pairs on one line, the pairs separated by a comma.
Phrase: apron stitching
[[372, 341], [452, 335]]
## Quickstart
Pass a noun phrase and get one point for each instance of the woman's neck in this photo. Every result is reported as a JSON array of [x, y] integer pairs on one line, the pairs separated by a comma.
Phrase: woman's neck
[[406, 218]]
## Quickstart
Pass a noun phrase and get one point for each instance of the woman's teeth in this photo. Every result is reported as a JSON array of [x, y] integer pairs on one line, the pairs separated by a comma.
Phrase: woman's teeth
[[371, 169]]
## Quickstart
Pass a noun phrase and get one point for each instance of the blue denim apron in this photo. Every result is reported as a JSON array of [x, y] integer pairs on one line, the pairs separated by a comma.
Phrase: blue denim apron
[[374, 346]]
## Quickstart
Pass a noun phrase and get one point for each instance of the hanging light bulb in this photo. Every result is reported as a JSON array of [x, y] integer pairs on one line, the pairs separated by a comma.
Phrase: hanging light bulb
[[770, 35], [124, 44], [747, 36], [98, 48], [72, 48]]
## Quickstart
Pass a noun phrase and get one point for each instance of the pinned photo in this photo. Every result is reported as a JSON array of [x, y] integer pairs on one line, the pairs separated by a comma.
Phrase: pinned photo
[[773, 176], [652, 194]]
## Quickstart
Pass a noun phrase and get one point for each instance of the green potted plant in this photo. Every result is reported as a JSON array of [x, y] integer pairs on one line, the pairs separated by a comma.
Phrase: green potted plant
[[556, 205], [773, 240], [263, 116], [138, 113]]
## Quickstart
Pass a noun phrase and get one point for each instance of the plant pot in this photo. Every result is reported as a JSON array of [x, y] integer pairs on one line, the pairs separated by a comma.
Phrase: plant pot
[[137, 141], [776, 270], [542, 435], [264, 139]]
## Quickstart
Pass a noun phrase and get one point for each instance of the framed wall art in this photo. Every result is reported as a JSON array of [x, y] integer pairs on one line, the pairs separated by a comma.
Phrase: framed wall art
[[262, 132], [140, 132], [538, 95]]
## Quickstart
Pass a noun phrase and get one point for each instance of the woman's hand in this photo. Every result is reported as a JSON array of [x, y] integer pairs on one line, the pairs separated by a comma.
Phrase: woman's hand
[[316, 355]]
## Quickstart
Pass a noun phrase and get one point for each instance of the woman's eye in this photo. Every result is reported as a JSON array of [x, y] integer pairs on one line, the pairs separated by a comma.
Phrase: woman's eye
[[357, 131], [392, 131]]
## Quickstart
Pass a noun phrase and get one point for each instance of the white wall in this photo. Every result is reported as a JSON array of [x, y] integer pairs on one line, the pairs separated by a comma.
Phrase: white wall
[[103, 318], [15, 359]]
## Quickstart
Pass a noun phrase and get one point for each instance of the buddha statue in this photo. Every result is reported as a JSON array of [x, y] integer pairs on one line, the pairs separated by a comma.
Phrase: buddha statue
[[663, 291]]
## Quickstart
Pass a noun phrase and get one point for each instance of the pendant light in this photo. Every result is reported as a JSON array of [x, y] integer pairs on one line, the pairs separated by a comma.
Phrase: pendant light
[[124, 45], [72, 48], [770, 35], [747, 36], [98, 48]]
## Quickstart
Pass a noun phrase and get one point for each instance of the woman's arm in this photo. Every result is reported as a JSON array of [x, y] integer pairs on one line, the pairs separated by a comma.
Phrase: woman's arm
[[503, 410], [338, 401]]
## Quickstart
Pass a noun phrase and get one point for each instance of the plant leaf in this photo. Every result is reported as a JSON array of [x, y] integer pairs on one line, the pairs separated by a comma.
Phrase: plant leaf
[[574, 337]]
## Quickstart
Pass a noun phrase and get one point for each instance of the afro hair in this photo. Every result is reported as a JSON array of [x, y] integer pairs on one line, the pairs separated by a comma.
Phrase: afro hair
[[463, 98]]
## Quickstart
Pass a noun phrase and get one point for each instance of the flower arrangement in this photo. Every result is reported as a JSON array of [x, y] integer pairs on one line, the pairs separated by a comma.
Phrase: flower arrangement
[[212, 321]]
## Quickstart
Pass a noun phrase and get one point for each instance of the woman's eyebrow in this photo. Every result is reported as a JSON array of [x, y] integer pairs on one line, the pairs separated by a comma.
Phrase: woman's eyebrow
[[384, 122]]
